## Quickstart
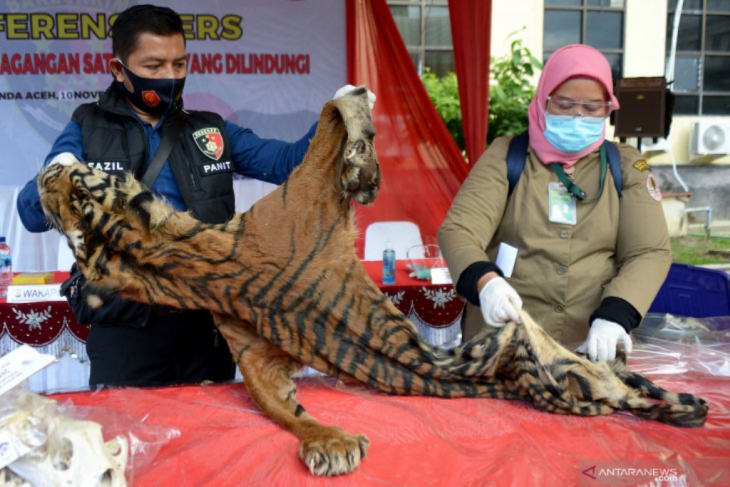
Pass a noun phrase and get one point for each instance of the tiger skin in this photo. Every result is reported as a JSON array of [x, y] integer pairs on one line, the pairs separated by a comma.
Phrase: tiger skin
[[286, 289]]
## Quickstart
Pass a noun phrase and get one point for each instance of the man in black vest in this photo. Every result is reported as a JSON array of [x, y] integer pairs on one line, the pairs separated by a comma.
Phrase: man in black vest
[[131, 344]]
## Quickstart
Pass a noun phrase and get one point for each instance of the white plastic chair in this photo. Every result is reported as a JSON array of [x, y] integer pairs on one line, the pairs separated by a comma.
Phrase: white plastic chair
[[401, 234]]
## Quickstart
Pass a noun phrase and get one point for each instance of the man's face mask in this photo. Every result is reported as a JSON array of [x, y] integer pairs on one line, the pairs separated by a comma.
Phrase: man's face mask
[[155, 96]]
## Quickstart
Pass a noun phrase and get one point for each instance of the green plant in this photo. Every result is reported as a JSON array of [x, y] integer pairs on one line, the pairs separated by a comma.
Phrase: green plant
[[510, 91], [444, 94]]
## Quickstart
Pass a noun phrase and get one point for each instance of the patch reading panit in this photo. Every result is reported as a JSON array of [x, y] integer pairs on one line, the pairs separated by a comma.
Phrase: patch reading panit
[[652, 186], [641, 165]]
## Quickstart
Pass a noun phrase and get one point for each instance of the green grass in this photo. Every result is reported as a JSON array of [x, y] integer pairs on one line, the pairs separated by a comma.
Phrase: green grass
[[694, 250]]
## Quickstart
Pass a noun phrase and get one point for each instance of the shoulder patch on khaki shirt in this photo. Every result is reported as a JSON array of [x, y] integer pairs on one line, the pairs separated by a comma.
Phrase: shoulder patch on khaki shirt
[[652, 186], [641, 165]]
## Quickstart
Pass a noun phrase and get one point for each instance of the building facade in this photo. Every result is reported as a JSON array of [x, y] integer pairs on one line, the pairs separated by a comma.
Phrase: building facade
[[635, 36]]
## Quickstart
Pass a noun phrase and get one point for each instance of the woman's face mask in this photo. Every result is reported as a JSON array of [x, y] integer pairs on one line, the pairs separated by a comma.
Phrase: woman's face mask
[[575, 115], [571, 134], [155, 96]]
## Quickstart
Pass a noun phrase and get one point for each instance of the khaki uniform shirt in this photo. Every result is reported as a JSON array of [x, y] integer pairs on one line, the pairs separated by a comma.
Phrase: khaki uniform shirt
[[619, 246]]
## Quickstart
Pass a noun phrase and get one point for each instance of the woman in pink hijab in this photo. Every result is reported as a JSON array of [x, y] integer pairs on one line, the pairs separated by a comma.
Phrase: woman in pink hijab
[[583, 247]]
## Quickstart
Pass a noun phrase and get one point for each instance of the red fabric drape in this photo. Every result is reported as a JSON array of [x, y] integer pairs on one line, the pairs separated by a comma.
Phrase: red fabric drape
[[470, 31], [421, 164]]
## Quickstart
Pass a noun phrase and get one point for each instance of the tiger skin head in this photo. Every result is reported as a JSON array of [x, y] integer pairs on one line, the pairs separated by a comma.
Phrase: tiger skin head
[[359, 169], [60, 204], [286, 289]]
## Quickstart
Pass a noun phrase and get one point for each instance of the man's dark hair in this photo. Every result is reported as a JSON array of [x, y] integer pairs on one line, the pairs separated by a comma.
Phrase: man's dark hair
[[139, 20]]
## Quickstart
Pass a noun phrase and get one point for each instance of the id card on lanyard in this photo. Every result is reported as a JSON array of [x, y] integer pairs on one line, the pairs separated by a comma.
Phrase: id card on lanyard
[[562, 196], [561, 205]]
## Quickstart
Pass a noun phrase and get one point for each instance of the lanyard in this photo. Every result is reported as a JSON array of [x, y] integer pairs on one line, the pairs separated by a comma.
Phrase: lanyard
[[570, 185]]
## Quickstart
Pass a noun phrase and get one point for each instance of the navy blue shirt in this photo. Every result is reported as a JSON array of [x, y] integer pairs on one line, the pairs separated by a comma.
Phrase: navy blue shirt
[[267, 160]]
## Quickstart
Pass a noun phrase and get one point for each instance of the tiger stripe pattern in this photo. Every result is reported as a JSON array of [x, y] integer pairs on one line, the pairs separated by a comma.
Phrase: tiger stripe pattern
[[286, 289]]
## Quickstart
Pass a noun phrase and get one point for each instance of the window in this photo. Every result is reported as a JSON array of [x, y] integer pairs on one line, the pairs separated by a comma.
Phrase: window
[[702, 63], [597, 23], [425, 29]]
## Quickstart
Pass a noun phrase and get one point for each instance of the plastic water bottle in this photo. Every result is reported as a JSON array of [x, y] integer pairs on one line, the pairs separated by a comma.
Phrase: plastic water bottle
[[6, 268], [388, 265]]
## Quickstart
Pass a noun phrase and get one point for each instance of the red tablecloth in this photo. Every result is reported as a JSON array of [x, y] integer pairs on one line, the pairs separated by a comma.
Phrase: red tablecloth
[[40, 324], [434, 305], [414, 441], [223, 439]]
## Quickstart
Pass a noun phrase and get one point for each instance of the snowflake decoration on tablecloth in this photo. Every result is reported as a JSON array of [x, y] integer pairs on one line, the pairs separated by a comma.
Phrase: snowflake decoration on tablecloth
[[396, 298], [439, 297], [33, 319]]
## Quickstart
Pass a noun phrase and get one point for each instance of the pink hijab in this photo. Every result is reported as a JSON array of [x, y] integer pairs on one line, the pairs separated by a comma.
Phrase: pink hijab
[[574, 61]]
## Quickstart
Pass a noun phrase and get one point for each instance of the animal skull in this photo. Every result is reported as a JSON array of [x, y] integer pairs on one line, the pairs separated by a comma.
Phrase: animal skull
[[75, 455]]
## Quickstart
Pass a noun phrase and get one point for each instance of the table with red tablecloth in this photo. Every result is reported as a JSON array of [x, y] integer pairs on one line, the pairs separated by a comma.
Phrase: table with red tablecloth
[[434, 309], [51, 326], [217, 436]]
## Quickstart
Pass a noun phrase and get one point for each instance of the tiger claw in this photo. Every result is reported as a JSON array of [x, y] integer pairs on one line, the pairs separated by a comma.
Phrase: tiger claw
[[337, 453]]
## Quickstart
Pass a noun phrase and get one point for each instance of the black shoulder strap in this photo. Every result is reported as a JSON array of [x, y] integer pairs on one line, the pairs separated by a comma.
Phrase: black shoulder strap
[[516, 157], [169, 137], [614, 164]]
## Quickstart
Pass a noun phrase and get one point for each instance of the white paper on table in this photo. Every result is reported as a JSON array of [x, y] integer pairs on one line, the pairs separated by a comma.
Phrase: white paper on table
[[506, 258], [20, 364], [441, 275], [8, 451]]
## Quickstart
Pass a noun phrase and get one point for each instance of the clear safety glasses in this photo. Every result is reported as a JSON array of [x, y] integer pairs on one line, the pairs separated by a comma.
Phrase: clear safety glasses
[[577, 108]]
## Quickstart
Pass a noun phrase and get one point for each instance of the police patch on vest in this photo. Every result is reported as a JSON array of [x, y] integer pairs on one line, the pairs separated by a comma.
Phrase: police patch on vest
[[210, 142], [215, 168], [109, 166]]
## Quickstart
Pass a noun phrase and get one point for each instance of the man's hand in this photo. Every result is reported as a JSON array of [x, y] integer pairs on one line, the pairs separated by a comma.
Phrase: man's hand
[[603, 337], [348, 88], [499, 303], [64, 159]]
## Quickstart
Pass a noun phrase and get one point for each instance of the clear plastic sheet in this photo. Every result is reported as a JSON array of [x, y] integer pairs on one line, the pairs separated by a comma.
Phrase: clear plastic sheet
[[58, 443], [681, 345], [416, 441]]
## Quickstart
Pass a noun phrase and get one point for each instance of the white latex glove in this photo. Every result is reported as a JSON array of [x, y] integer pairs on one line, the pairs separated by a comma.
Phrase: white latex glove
[[64, 159], [500, 303], [348, 88], [602, 339]]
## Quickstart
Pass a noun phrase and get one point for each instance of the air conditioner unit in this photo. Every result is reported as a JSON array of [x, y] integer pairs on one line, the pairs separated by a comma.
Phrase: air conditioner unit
[[708, 138]]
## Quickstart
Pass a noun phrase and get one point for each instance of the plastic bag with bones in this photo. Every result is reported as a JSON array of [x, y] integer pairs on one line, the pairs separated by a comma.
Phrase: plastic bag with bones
[[75, 453]]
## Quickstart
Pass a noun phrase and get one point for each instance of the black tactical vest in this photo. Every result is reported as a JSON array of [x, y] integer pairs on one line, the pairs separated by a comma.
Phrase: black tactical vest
[[114, 141]]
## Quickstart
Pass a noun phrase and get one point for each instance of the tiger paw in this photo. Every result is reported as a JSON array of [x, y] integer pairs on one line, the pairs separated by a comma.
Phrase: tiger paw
[[333, 452]]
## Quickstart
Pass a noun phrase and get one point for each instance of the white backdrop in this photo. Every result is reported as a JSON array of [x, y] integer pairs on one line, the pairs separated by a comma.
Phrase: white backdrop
[[268, 65], [53, 58]]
